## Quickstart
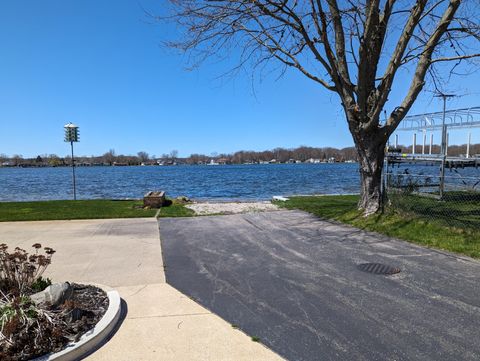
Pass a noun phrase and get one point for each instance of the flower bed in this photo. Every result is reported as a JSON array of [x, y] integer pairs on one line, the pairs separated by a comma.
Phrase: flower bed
[[37, 318]]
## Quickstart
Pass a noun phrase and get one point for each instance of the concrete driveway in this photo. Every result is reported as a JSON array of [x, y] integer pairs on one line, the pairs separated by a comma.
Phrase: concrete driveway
[[292, 280], [115, 252]]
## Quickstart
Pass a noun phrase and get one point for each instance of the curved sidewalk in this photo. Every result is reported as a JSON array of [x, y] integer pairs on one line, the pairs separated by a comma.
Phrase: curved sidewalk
[[161, 323]]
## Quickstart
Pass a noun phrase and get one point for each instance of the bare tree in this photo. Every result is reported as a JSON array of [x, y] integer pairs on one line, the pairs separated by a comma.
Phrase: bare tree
[[357, 49], [143, 156], [17, 159], [173, 154], [109, 157]]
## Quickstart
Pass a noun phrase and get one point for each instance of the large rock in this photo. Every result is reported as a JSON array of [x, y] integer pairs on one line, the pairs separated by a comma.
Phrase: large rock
[[183, 200], [55, 294]]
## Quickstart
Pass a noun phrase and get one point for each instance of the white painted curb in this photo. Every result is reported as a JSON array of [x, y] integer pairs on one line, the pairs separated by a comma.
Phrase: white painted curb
[[93, 338]]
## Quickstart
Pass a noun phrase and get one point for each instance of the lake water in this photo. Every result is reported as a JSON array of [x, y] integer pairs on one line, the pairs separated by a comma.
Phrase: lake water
[[224, 182]]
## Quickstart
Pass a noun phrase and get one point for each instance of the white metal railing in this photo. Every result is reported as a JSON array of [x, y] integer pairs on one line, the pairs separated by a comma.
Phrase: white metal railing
[[457, 118]]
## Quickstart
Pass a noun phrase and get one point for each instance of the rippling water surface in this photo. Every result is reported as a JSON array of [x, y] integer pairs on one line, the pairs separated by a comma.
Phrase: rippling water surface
[[240, 182]]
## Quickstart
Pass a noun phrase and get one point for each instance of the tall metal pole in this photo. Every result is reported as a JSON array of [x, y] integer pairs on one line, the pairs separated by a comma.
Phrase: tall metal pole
[[71, 135], [73, 175], [444, 144]]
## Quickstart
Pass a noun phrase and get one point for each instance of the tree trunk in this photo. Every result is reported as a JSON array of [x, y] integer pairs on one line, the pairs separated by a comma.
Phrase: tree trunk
[[371, 153]]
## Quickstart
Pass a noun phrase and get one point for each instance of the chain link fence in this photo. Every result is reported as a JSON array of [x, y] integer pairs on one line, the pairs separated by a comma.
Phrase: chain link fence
[[421, 191]]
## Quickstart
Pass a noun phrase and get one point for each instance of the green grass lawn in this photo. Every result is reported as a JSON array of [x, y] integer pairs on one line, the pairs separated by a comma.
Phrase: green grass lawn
[[457, 209], [176, 210], [406, 223], [85, 209]]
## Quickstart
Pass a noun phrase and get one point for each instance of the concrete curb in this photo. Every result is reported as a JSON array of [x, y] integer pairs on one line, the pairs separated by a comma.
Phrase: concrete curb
[[91, 340]]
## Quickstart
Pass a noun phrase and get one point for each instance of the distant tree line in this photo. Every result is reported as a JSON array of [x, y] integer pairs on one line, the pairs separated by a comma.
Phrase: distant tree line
[[278, 155], [109, 158], [283, 155]]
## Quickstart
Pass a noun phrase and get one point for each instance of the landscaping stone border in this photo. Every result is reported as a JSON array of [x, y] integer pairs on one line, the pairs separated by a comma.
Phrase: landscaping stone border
[[92, 339]]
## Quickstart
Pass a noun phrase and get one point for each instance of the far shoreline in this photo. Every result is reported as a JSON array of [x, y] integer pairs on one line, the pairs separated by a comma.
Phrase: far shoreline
[[80, 165]]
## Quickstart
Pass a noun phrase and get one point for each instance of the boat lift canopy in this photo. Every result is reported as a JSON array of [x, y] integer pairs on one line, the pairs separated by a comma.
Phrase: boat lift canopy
[[458, 118]]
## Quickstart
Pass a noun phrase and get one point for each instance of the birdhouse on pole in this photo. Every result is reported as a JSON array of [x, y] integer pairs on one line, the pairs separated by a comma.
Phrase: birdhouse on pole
[[71, 133]]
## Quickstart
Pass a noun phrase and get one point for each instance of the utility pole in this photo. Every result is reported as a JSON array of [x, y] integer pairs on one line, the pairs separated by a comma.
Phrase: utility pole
[[444, 142], [71, 135]]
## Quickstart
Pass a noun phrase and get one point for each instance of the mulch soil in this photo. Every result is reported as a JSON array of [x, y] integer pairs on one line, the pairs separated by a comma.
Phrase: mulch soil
[[69, 322]]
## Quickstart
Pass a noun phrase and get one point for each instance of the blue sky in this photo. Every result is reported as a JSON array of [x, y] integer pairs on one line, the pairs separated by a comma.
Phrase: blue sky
[[100, 65]]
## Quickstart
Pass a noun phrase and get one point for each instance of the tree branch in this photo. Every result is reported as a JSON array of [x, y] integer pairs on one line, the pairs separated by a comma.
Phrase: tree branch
[[423, 65], [459, 57], [384, 88]]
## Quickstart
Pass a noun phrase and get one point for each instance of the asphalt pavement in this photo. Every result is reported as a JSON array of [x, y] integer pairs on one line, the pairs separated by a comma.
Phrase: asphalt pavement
[[293, 281]]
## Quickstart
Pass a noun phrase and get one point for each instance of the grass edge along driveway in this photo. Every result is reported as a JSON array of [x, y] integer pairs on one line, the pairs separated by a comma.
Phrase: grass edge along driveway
[[393, 223]]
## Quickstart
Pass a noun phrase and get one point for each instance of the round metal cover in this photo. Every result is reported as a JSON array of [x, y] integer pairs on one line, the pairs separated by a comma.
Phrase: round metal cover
[[378, 268]]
